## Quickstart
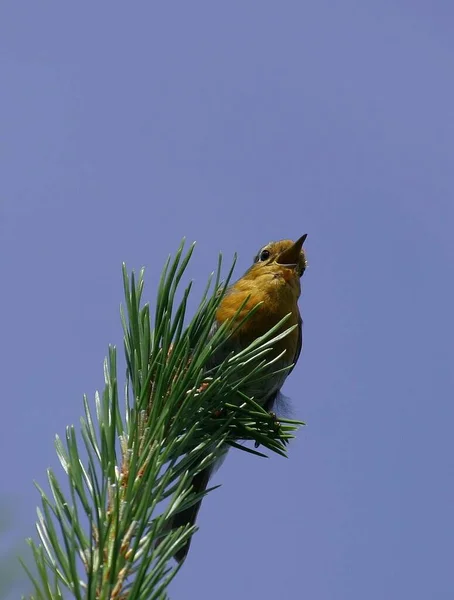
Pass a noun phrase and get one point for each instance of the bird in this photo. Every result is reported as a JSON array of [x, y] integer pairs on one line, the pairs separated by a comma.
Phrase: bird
[[273, 285]]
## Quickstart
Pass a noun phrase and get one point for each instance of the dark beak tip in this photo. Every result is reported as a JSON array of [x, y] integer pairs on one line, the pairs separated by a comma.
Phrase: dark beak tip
[[299, 243]]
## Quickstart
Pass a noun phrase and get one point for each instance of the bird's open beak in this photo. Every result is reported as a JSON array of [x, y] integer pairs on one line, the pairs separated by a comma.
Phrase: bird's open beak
[[290, 257]]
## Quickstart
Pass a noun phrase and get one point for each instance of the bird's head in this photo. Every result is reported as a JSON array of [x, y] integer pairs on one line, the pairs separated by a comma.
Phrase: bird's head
[[284, 256]]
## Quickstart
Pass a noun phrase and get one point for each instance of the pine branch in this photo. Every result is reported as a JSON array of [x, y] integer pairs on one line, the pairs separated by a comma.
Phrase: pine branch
[[130, 469]]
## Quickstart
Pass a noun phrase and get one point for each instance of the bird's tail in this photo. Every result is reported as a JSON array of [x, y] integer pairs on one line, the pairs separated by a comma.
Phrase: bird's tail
[[189, 515]]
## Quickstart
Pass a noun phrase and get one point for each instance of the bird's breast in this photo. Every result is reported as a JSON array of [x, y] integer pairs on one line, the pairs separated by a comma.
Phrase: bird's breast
[[277, 299]]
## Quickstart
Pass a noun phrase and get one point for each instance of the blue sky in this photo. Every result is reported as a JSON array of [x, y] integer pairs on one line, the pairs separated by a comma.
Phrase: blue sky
[[125, 128]]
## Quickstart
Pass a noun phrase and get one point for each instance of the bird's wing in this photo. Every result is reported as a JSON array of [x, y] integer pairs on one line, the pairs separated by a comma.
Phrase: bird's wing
[[278, 398], [299, 344]]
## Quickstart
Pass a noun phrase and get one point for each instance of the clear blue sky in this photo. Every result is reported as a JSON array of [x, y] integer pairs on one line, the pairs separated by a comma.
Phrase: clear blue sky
[[124, 128]]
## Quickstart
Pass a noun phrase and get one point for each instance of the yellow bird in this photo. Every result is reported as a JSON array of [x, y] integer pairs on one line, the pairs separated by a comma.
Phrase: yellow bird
[[274, 281]]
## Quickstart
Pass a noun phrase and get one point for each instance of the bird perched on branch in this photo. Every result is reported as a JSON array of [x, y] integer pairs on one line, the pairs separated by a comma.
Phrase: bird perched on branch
[[274, 282]]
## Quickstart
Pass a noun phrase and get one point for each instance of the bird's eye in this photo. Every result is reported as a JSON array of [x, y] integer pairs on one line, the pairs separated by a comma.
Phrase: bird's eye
[[264, 255]]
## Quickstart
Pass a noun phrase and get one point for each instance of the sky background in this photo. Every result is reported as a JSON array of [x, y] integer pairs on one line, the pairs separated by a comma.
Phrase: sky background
[[125, 128]]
